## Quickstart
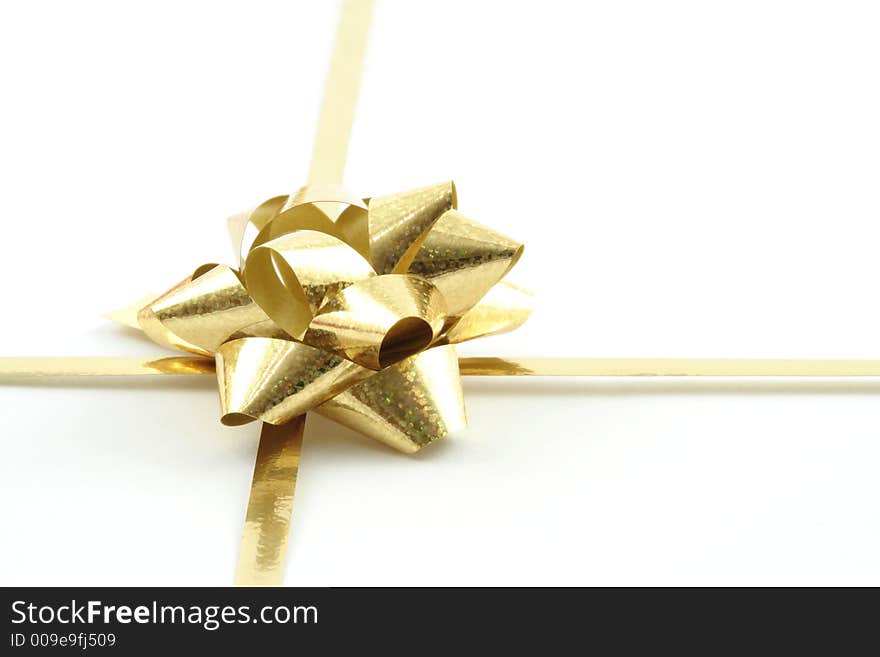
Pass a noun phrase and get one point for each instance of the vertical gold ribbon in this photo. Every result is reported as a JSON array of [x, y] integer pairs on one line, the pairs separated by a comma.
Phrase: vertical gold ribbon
[[267, 524], [340, 93]]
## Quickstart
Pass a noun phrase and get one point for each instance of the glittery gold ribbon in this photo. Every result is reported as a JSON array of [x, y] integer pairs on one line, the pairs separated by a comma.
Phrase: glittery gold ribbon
[[338, 304], [76, 366], [351, 307], [348, 307], [342, 305]]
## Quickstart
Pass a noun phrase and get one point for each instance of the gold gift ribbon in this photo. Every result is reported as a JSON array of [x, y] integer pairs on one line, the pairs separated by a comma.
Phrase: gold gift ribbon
[[12, 368], [270, 502], [343, 305], [351, 307]]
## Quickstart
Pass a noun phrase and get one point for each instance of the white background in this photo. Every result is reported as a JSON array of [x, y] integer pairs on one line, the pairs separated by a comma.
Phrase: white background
[[691, 179]]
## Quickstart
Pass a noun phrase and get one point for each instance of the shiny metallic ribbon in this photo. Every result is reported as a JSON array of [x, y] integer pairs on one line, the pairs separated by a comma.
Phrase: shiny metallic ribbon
[[343, 305], [347, 307], [351, 308]]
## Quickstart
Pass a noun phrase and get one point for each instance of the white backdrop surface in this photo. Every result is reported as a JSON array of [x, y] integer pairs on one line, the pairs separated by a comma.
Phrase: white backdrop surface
[[690, 179]]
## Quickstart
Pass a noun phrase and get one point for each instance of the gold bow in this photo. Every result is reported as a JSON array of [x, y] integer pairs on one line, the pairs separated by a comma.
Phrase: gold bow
[[349, 307]]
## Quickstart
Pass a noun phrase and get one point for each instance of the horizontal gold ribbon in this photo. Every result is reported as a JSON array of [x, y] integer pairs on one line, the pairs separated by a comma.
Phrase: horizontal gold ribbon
[[476, 366]]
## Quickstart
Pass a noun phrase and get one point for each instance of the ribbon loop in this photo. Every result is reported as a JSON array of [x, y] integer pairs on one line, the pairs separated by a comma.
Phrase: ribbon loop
[[276, 380], [504, 308], [398, 222], [201, 312], [464, 259], [406, 406], [245, 226], [379, 321], [290, 276]]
